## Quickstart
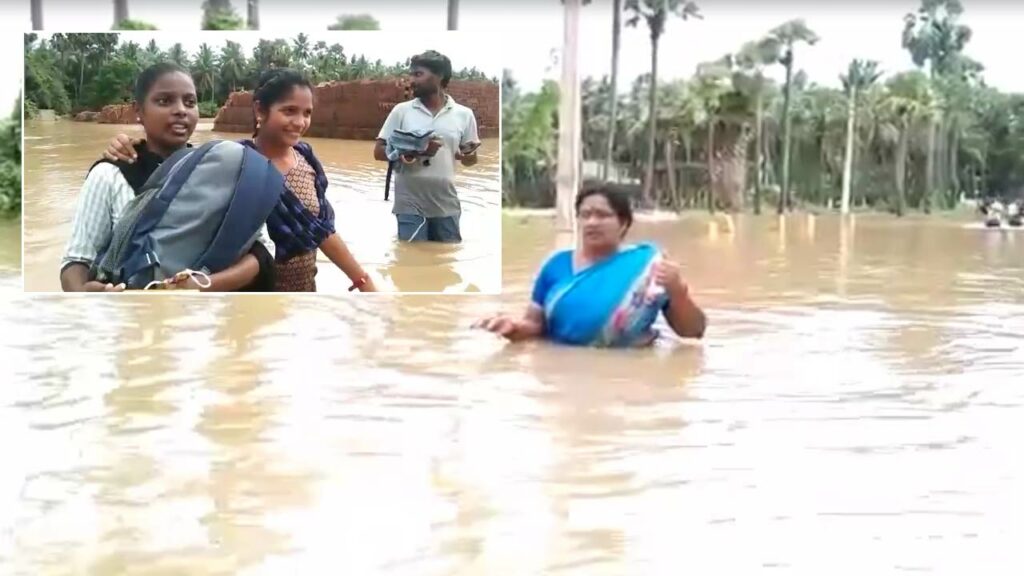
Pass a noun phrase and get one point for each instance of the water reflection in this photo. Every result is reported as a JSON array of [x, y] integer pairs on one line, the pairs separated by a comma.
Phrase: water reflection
[[855, 401], [59, 154]]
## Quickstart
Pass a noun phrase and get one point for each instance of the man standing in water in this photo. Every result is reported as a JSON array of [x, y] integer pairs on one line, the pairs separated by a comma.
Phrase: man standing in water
[[426, 203]]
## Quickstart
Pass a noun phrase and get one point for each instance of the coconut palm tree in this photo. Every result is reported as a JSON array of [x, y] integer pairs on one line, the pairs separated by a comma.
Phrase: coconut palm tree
[[860, 75], [613, 96], [909, 103], [788, 35], [656, 13], [752, 59]]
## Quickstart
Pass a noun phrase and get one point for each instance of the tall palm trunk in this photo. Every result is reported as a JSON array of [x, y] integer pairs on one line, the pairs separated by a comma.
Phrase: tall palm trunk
[[453, 14], [652, 121], [613, 95], [759, 147], [120, 11], [901, 168], [784, 200], [954, 160], [851, 115], [253, 14], [37, 14], [711, 163], [927, 200]]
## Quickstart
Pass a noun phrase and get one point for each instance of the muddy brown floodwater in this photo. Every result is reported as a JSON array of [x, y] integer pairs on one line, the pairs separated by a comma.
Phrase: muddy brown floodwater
[[856, 408], [58, 156]]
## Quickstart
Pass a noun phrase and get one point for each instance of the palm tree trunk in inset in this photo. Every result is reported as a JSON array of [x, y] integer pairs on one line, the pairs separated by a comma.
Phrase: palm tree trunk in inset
[[453, 14], [120, 11], [652, 126], [253, 14], [614, 104], [785, 202], [37, 14]]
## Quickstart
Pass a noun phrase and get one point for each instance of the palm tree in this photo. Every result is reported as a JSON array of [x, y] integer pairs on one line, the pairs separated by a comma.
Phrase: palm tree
[[613, 95], [120, 11], [712, 82], [934, 38], [787, 36], [908, 102], [177, 55], [656, 13], [204, 69], [753, 57], [859, 77], [253, 14], [356, 22], [300, 49], [232, 65]]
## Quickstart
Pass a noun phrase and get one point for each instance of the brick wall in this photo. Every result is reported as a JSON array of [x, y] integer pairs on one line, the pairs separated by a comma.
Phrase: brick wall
[[357, 110]]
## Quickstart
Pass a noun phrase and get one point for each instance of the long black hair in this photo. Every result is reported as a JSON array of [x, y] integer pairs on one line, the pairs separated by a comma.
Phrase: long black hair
[[273, 86]]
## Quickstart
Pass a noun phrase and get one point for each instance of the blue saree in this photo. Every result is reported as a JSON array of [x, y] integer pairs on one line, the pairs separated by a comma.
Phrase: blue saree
[[613, 303]]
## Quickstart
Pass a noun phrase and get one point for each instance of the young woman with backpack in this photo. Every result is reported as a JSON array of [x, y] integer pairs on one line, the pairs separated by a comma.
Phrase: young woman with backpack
[[166, 105], [303, 221]]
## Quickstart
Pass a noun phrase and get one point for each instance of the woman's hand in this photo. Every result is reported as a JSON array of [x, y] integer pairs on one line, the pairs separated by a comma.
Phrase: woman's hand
[[667, 274], [94, 286], [368, 286], [122, 148], [501, 325]]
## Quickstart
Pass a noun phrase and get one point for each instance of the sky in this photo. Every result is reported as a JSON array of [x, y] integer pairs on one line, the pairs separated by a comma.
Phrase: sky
[[525, 37]]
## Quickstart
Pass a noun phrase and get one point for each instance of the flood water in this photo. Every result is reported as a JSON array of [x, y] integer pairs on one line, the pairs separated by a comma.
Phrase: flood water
[[10, 254], [855, 408], [58, 156]]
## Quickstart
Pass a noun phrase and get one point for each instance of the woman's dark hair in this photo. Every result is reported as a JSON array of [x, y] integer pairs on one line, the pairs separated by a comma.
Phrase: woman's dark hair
[[617, 199], [274, 85], [436, 62], [149, 76]]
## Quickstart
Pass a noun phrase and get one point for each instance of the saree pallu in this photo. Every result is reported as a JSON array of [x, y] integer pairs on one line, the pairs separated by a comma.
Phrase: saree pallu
[[612, 303]]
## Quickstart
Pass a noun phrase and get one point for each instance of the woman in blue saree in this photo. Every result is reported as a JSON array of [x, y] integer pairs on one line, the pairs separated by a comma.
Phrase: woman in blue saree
[[604, 293]]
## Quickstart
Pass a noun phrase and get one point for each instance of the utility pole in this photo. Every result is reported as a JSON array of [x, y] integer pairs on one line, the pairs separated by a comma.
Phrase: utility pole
[[569, 139]]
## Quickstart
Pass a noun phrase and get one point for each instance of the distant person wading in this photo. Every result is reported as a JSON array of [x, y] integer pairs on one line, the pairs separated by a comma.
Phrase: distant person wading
[[426, 136]]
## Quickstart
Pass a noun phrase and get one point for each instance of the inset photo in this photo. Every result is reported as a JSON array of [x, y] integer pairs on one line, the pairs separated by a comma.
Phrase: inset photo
[[237, 161]]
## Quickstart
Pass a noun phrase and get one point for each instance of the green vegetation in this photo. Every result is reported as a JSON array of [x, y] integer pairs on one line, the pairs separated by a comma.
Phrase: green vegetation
[[70, 73], [357, 22], [730, 138], [220, 15], [133, 25], [10, 163]]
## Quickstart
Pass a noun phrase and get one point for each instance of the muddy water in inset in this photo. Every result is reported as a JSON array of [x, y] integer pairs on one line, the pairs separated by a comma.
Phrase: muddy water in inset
[[855, 408], [58, 156], [10, 254]]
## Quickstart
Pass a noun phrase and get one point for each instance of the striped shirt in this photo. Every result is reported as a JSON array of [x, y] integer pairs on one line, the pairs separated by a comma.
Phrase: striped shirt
[[103, 198]]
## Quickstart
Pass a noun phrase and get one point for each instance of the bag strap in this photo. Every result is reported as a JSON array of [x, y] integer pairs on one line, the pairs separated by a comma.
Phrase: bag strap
[[387, 181], [257, 191]]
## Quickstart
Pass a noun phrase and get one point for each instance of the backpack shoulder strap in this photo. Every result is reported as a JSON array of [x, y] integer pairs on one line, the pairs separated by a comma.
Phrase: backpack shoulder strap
[[257, 191], [159, 191]]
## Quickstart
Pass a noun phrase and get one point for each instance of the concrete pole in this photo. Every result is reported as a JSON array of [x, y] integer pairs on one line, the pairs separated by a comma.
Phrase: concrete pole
[[567, 180], [453, 14], [37, 14]]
